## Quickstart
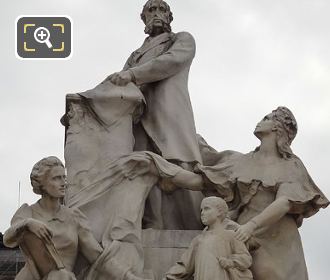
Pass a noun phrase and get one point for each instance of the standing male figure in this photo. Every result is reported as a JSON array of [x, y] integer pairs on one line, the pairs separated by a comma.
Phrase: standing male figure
[[160, 67]]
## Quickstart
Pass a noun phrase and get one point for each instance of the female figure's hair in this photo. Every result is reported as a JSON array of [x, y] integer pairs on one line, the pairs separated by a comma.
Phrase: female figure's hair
[[286, 129], [40, 170]]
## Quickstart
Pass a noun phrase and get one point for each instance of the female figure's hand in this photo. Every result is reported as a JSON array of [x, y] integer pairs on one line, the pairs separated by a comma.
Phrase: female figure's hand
[[40, 230], [244, 232], [267, 218]]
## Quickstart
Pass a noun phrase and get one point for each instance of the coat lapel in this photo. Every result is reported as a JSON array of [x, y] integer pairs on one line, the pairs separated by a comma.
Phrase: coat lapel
[[151, 43]]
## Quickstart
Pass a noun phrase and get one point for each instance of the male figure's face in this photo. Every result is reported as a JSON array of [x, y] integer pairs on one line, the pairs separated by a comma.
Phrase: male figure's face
[[157, 15], [209, 212]]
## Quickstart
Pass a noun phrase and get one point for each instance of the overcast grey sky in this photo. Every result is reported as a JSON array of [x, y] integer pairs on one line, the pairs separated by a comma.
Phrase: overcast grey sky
[[252, 56]]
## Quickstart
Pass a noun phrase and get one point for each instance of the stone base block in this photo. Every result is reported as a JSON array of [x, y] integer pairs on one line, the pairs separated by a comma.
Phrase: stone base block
[[163, 248]]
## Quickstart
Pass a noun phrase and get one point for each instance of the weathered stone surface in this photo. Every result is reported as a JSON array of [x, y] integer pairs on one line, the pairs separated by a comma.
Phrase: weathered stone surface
[[160, 68], [216, 253], [270, 193], [132, 138], [162, 248]]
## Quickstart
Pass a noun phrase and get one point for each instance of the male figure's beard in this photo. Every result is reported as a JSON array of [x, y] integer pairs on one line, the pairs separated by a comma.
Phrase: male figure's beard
[[150, 27]]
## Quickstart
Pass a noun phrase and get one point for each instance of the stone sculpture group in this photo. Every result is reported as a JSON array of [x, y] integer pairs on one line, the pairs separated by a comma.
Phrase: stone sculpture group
[[134, 161]]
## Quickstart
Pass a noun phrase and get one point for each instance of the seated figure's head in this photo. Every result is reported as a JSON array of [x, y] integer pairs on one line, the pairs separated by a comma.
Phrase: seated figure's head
[[157, 17], [282, 122], [48, 177], [212, 209]]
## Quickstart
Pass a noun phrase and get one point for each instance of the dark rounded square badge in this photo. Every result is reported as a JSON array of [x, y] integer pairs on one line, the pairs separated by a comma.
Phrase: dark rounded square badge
[[44, 37]]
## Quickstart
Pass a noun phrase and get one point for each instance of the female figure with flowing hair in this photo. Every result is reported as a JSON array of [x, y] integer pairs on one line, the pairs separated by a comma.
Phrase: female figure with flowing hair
[[270, 193]]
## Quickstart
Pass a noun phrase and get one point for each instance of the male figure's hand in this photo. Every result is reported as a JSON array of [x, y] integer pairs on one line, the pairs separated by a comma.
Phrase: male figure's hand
[[121, 78]]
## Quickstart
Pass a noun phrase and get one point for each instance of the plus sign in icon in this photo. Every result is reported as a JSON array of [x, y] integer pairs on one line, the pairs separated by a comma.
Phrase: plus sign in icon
[[43, 37]]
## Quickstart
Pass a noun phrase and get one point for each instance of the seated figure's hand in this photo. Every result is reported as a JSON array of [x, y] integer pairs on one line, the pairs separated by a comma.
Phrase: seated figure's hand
[[40, 230], [226, 263], [121, 78], [244, 232]]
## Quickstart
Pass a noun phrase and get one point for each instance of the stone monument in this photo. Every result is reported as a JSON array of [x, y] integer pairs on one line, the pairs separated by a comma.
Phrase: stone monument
[[129, 205]]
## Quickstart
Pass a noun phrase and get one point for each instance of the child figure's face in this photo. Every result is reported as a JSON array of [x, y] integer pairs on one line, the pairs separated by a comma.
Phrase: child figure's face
[[209, 212]]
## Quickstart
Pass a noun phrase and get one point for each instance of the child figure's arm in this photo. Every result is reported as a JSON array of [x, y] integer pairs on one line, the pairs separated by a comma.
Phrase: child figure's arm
[[184, 268], [240, 257]]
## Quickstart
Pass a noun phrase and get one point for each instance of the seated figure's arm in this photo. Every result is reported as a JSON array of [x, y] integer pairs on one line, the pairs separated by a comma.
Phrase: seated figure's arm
[[12, 236], [21, 221], [18, 224]]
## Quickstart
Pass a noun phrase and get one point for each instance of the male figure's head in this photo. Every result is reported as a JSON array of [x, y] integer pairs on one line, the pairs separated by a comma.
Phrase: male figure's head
[[213, 209], [157, 17]]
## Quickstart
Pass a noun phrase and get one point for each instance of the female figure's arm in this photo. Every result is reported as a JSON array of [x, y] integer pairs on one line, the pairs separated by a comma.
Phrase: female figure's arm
[[301, 197], [188, 180], [269, 216]]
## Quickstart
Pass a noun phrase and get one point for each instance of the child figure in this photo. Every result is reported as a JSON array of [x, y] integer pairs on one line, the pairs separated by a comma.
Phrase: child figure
[[215, 254]]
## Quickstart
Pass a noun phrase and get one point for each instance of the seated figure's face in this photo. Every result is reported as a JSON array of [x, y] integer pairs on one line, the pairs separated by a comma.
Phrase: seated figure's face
[[209, 212], [54, 183]]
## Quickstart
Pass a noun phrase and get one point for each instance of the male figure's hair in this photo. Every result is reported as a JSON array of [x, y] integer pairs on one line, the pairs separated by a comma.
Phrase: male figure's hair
[[167, 25]]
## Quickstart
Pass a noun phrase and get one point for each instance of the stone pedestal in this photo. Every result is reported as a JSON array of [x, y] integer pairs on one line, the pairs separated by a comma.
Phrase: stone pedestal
[[163, 248]]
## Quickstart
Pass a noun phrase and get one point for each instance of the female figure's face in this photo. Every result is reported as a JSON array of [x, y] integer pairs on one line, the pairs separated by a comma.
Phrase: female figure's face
[[54, 184], [265, 126]]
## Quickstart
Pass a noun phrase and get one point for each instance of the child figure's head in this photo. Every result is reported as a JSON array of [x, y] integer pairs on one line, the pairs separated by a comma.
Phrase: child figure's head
[[212, 209]]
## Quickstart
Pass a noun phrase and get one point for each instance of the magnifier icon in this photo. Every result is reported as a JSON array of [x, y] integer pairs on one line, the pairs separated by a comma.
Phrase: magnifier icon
[[41, 35]]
